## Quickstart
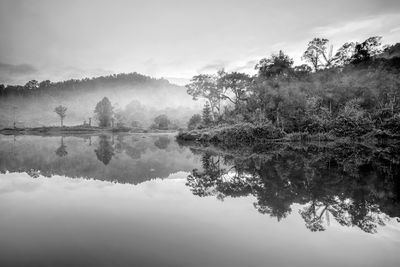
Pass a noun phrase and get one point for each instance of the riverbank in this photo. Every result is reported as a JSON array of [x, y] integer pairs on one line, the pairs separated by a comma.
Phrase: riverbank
[[56, 130], [247, 134], [79, 130]]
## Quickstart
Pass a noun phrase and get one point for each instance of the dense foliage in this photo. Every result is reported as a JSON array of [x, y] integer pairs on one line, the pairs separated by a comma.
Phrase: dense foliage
[[104, 112], [349, 93], [48, 87]]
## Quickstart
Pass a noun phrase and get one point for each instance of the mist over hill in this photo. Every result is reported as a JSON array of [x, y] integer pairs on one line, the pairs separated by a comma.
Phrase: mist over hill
[[140, 98]]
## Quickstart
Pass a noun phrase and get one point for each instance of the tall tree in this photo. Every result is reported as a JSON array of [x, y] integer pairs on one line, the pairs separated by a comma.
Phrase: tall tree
[[161, 122], [104, 112], [317, 53], [61, 111], [235, 83], [344, 54], [205, 86], [207, 119]]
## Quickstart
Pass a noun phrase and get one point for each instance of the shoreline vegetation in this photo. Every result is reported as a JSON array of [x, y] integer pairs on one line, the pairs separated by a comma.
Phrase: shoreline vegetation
[[352, 95], [79, 129], [248, 134], [108, 120]]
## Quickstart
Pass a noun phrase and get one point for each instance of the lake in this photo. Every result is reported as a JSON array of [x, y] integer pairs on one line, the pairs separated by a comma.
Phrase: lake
[[147, 200]]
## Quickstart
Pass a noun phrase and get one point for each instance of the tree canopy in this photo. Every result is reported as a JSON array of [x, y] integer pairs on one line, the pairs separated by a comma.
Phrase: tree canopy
[[104, 112]]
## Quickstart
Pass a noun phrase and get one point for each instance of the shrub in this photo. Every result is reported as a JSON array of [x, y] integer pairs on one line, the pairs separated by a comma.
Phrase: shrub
[[392, 124], [347, 126]]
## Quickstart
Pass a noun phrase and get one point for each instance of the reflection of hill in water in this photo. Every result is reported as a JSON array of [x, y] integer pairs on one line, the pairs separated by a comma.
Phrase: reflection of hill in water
[[121, 158], [355, 185]]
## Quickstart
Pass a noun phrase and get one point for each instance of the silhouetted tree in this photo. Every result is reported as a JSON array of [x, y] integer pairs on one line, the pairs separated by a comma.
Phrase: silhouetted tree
[[235, 83], [205, 86], [317, 53], [366, 50]]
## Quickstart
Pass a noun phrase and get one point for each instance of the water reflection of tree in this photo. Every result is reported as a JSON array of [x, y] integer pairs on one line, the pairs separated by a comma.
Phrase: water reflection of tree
[[354, 185], [162, 142], [62, 149], [105, 150]]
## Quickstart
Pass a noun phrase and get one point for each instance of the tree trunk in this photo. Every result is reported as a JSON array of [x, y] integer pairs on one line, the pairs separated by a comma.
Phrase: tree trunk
[[277, 118]]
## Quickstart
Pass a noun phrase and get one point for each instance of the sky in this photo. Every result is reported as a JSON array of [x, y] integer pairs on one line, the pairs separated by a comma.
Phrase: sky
[[174, 39]]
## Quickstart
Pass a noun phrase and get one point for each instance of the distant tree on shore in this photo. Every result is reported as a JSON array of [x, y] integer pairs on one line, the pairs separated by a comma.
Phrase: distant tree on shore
[[61, 111], [104, 112], [161, 122], [32, 85]]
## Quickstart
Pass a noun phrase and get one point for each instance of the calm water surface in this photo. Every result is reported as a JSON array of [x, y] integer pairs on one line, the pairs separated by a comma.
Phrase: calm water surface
[[145, 200]]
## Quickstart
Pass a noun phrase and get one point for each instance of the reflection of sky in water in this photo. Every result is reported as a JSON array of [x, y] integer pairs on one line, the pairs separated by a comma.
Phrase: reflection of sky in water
[[60, 221]]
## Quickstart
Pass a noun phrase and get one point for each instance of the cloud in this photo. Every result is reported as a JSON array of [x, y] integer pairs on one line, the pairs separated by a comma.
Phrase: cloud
[[376, 25], [177, 80], [21, 69], [10, 73], [213, 67], [22, 73], [395, 29], [246, 67]]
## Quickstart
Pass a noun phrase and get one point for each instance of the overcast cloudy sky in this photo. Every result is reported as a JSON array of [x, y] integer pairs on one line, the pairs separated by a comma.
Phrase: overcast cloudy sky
[[49, 39]]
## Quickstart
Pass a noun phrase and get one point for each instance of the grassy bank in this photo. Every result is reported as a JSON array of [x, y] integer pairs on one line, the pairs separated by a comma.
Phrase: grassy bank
[[56, 130], [247, 134]]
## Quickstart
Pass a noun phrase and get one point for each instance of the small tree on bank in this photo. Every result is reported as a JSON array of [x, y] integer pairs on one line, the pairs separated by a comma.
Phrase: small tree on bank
[[104, 112], [161, 122], [61, 111]]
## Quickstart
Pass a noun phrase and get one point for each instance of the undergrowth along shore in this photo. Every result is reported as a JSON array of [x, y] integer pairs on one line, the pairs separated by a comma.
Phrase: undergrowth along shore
[[247, 133]]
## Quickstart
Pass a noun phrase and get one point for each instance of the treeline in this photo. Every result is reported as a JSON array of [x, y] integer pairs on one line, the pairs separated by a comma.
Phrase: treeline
[[107, 116], [350, 92], [34, 87]]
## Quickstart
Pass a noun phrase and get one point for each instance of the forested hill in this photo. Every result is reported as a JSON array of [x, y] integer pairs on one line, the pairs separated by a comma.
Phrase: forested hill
[[33, 104], [48, 87]]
